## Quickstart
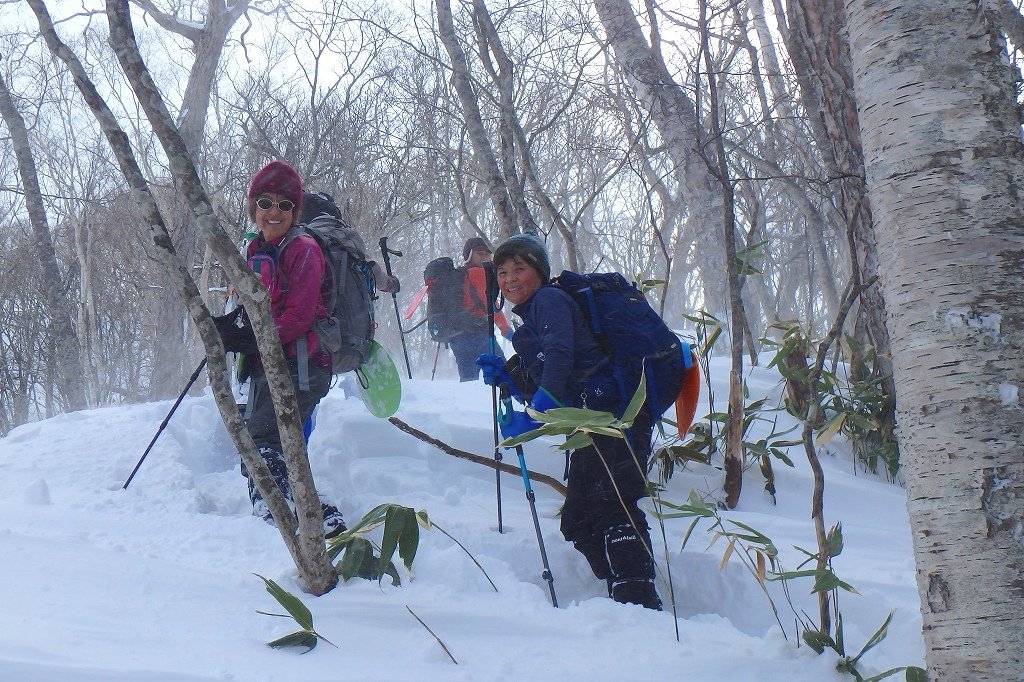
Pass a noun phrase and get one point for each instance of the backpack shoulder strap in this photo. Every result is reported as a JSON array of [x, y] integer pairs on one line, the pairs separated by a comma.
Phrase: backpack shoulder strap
[[293, 233]]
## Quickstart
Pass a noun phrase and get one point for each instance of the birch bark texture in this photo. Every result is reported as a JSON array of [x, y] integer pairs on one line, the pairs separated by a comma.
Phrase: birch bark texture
[[494, 179], [945, 175]]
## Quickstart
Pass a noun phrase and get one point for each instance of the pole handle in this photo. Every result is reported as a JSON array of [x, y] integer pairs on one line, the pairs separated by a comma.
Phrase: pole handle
[[386, 253]]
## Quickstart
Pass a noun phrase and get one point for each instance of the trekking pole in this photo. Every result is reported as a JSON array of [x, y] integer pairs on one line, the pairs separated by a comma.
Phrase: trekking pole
[[163, 425], [491, 295], [507, 402], [387, 253], [437, 354]]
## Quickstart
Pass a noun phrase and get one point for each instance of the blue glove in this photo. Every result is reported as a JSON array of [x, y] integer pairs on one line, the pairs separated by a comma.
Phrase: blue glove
[[493, 367], [542, 401], [512, 423]]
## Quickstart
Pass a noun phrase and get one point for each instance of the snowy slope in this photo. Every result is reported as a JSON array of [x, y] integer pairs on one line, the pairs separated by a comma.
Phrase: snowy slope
[[156, 582]]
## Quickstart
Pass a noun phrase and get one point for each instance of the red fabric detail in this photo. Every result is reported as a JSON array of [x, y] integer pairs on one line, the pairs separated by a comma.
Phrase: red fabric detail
[[686, 403], [476, 277]]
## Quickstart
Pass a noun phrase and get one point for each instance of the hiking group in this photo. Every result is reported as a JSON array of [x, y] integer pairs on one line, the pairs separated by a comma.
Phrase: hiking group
[[566, 356]]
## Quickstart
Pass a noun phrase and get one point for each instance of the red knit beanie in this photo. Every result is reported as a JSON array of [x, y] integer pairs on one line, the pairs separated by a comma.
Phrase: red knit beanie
[[279, 177]]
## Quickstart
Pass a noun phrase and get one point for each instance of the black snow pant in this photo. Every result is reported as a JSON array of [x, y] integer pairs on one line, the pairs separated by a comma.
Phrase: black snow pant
[[601, 515], [262, 420]]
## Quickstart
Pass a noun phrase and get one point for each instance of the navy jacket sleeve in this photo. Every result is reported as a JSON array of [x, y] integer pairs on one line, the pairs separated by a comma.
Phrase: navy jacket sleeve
[[552, 315]]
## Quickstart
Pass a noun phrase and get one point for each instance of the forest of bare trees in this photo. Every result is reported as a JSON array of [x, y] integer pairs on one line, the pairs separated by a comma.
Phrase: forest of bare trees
[[537, 123], [751, 159]]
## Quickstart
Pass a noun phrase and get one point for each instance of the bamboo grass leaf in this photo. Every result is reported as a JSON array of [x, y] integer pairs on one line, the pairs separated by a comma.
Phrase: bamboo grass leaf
[[728, 553], [689, 531], [818, 640], [602, 431], [394, 525], [830, 428], [358, 553], [834, 541], [876, 638], [637, 402], [827, 581], [576, 441], [303, 638], [290, 602], [409, 540], [575, 416]]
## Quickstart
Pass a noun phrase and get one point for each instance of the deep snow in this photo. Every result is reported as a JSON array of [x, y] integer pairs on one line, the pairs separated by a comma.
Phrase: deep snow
[[156, 582]]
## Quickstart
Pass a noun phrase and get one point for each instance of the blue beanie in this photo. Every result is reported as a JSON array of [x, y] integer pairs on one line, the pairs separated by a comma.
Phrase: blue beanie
[[530, 249]]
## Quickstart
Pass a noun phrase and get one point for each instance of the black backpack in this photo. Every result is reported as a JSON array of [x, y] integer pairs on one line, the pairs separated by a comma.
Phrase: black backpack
[[447, 317], [632, 335], [348, 286]]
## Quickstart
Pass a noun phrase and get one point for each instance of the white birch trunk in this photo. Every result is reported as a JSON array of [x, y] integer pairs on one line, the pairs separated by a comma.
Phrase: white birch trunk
[[675, 117], [494, 180], [945, 173]]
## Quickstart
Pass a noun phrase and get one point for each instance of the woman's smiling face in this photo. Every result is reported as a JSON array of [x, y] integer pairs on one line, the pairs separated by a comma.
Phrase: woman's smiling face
[[518, 281], [273, 222]]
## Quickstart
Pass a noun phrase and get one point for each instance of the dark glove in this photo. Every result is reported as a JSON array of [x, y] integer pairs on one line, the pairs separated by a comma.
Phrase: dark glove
[[512, 423], [394, 286], [496, 375], [236, 339]]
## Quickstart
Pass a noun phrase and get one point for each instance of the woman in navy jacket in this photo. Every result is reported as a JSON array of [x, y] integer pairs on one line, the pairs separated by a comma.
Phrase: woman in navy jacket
[[559, 363]]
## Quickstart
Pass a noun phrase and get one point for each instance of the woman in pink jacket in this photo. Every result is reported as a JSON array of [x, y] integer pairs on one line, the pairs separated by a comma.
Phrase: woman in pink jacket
[[293, 271]]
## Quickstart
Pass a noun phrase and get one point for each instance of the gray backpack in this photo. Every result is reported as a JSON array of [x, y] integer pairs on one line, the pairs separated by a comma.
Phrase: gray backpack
[[348, 287]]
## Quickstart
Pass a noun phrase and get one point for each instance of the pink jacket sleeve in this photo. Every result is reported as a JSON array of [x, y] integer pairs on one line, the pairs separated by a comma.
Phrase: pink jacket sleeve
[[303, 266]]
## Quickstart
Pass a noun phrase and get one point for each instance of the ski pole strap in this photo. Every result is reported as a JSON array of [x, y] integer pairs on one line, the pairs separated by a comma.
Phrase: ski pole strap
[[302, 356], [505, 411], [249, 401]]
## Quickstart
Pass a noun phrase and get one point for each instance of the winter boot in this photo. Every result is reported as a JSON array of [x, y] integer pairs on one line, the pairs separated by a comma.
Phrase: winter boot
[[259, 505], [275, 462], [260, 509], [334, 524], [632, 580], [642, 592], [593, 551]]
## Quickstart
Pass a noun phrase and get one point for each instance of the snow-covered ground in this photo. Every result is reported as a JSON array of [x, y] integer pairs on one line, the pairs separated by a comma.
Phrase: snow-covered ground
[[156, 582]]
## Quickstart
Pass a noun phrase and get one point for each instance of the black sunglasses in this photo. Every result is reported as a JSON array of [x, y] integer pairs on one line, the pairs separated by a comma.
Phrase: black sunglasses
[[267, 204]]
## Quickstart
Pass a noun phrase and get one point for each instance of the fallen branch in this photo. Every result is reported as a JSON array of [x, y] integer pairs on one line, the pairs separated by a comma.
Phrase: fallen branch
[[490, 463]]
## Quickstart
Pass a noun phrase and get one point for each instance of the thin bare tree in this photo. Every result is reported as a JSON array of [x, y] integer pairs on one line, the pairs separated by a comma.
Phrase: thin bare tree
[[67, 359]]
